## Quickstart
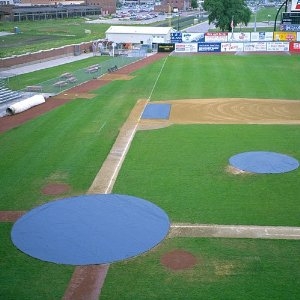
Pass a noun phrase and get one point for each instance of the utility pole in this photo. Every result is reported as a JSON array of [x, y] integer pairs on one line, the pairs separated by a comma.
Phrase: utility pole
[[170, 15]]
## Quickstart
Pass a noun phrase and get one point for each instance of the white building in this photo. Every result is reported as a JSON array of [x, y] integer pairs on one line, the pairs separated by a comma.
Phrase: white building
[[139, 34]]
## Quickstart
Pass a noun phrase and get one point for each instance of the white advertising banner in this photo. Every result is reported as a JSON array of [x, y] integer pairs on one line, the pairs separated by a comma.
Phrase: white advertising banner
[[186, 48], [278, 46], [295, 5], [190, 37], [216, 37], [239, 37], [261, 36], [255, 46], [298, 36], [232, 47]]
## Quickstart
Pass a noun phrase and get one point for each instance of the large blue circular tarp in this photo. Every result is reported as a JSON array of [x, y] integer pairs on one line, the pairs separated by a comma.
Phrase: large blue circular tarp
[[90, 229], [264, 162]]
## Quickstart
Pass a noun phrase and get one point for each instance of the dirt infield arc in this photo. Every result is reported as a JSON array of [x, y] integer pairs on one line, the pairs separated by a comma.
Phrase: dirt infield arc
[[229, 111]]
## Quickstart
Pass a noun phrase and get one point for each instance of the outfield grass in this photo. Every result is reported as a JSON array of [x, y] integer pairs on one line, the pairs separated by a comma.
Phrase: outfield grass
[[70, 143], [228, 76]]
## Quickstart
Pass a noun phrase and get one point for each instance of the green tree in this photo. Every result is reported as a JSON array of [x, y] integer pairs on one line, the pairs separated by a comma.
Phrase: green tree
[[223, 12], [194, 4]]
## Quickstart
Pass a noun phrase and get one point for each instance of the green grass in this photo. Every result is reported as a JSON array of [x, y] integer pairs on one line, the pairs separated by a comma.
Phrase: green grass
[[34, 78], [264, 13], [23, 277], [70, 143], [225, 269], [182, 169], [214, 76], [46, 34]]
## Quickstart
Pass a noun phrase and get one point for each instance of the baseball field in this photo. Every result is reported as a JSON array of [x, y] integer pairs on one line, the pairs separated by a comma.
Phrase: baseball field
[[221, 105]]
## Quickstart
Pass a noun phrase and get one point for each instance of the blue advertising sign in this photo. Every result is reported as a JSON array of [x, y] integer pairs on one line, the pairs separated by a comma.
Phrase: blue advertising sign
[[290, 27], [176, 37], [209, 47]]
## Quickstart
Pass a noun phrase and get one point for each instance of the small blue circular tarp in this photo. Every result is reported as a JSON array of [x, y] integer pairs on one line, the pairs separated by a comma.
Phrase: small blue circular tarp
[[264, 162], [90, 229]]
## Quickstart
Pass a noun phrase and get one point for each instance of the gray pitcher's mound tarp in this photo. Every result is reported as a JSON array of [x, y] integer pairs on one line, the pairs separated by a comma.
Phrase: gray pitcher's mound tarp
[[156, 111], [264, 162], [90, 229]]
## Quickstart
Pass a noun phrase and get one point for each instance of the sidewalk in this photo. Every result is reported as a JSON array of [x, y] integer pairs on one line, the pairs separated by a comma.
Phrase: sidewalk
[[42, 65]]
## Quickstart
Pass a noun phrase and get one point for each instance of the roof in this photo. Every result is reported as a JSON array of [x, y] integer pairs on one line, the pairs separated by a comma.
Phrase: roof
[[138, 30]]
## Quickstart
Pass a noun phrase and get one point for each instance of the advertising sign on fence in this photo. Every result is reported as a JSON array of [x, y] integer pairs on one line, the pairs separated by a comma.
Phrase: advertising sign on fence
[[255, 46], [285, 36], [295, 47], [190, 37], [186, 48], [290, 27], [165, 47], [261, 36], [176, 37], [209, 47], [239, 37], [295, 5], [278, 46], [216, 37], [232, 47]]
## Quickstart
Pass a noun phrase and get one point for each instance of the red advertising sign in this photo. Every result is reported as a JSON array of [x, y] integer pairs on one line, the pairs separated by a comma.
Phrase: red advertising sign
[[295, 47]]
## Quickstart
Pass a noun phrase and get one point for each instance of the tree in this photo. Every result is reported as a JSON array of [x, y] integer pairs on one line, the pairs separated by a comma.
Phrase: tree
[[194, 4], [222, 12]]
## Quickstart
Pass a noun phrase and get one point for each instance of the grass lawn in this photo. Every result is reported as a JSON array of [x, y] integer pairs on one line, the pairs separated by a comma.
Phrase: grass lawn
[[229, 76], [182, 169], [34, 78], [46, 34], [70, 143], [225, 269], [23, 277]]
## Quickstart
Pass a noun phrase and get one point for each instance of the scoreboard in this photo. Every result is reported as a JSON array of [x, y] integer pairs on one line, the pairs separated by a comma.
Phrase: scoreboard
[[290, 18]]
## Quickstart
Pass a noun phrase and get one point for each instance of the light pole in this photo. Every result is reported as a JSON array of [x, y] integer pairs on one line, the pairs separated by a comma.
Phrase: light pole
[[255, 13]]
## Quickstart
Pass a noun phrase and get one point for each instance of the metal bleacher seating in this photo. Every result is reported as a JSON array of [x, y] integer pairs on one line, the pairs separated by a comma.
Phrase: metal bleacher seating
[[7, 94]]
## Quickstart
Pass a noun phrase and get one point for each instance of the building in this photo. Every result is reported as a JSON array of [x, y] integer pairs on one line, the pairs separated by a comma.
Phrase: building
[[42, 12], [55, 9], [108, 7], [139, 35], [169, 6]]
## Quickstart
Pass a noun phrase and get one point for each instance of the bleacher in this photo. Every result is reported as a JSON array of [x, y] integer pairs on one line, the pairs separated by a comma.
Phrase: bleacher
[[7, 94]]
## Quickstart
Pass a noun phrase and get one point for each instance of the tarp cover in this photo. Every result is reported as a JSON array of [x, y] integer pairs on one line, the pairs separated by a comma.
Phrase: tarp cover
[[25, 104], [90, 229], [157, 111], [264, 162]]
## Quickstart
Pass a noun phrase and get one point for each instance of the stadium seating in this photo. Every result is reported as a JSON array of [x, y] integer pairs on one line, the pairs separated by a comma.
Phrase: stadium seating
[[7, 94]]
